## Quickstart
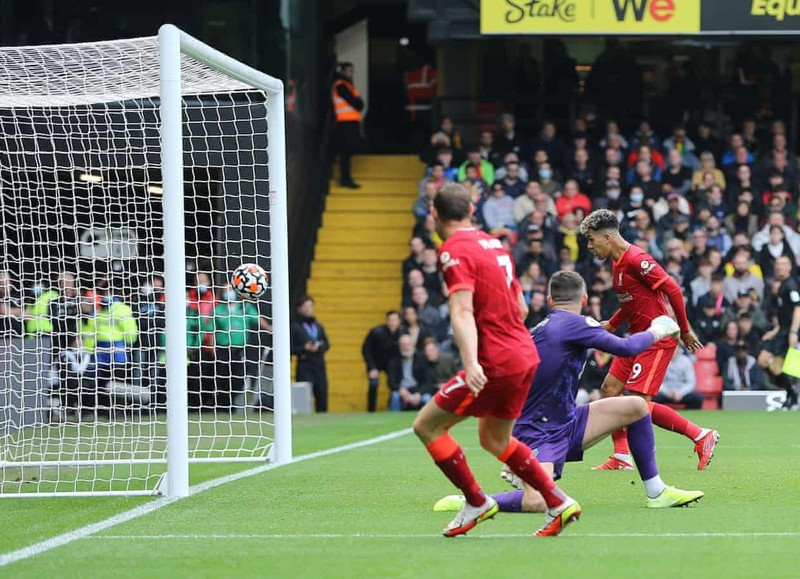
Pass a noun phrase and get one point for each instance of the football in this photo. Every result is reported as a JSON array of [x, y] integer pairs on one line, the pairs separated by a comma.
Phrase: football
[[249, 280]]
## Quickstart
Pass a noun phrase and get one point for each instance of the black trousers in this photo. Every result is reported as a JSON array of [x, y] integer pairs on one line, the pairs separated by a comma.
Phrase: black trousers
[[230, 376], [313, 370], [372, 394], [202, 373], [347, 142]]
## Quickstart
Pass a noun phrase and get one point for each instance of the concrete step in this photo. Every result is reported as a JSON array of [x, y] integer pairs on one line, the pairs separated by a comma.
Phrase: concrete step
[[368, 166], [347, 287], [356, 270], [362, 302], [407, 186], [350, 320], [370, 220], [354, 252], [379, 203], [363, 236]]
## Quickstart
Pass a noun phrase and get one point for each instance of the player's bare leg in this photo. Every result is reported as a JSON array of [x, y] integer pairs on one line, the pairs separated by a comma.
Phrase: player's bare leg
[[495, 437], [663, 416], [432, 426], [605, 416], [705, 439], [621, 459]]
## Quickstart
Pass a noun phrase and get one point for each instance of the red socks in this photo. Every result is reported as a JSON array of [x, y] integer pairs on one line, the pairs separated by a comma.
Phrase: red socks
[[667, 418], [522, 461], [449, 457], [664, 417], [620, 439]]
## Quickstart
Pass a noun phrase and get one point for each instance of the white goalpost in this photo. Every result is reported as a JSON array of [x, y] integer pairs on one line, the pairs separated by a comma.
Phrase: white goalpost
[[135, 175]]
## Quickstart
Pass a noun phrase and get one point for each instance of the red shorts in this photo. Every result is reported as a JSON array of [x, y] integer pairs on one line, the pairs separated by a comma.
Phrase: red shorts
[[501, 397], [643, 373]]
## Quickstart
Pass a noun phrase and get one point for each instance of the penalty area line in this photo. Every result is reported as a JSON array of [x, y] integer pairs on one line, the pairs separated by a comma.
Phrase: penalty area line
[[157, 504], [279, 536]]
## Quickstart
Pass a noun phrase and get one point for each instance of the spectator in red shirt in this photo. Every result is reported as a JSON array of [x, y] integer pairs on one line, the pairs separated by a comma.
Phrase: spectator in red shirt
[[572, 199]]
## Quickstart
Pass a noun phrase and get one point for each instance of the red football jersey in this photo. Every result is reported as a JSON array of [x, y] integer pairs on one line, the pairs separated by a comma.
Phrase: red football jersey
[[637, 277], [471, 260]]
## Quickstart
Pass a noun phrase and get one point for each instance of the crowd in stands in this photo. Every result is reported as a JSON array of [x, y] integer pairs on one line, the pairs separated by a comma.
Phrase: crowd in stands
[[103, 346], [716, 210]]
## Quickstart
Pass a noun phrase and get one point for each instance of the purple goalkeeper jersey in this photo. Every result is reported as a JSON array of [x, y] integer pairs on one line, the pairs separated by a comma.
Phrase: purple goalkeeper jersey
[[562, 340]]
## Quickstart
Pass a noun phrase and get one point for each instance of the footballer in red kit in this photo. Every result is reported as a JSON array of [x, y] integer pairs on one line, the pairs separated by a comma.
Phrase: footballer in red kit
[[473, 261], [642, 285], [638, 282], [500, 359]]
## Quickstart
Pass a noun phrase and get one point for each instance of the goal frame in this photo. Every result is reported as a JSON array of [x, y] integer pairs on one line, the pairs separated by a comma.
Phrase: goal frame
[[173, 42]]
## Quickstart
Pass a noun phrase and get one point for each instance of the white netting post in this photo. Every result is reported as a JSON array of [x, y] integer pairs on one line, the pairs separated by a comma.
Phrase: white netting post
[[280, 275], [109, 175], [169, 47]]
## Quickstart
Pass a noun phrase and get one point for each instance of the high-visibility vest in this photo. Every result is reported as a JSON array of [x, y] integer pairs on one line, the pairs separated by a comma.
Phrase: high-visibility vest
[[39, 322], [344, 112]]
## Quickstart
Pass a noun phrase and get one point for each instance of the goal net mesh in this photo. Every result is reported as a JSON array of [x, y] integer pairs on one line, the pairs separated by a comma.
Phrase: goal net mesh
[[82, 340]]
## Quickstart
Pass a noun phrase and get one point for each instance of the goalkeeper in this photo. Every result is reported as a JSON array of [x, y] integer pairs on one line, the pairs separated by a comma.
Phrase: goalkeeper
[[559, 431]]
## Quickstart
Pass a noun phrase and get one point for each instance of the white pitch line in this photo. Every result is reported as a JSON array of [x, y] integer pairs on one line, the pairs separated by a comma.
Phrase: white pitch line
[[687, 446], [419, 536], [160, 503]]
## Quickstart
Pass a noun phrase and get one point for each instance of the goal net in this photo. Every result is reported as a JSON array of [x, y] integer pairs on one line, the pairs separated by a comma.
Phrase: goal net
[[135, 175]]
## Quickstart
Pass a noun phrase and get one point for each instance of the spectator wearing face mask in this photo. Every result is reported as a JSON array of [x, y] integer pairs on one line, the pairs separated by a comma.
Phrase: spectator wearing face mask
[[547, 182], [631, 209]]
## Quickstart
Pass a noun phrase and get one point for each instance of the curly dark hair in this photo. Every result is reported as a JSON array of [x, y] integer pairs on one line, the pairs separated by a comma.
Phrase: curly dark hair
[[599, 220]]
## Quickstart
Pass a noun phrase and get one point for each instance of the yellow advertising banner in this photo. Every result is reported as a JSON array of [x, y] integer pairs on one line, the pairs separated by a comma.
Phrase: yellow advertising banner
[[590, 16]]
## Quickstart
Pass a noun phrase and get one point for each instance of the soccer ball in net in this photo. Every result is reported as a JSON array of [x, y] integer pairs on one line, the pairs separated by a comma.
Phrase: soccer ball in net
[[249, 281]]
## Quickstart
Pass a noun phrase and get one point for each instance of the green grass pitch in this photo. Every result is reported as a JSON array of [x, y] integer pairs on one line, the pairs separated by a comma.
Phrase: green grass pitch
[[367, 512]]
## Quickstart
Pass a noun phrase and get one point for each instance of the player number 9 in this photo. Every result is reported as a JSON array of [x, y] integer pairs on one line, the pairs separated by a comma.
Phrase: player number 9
[[636, 370]]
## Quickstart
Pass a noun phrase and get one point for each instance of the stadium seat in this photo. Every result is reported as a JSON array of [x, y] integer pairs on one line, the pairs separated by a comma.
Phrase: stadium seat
[[709, 352], [711, 388], [706, 368]]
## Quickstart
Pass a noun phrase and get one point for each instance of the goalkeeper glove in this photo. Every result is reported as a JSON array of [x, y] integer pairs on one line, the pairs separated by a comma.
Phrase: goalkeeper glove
[[664, 327]]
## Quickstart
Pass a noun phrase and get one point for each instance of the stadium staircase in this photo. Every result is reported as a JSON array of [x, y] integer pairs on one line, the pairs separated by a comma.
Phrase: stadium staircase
[[356, 272]]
